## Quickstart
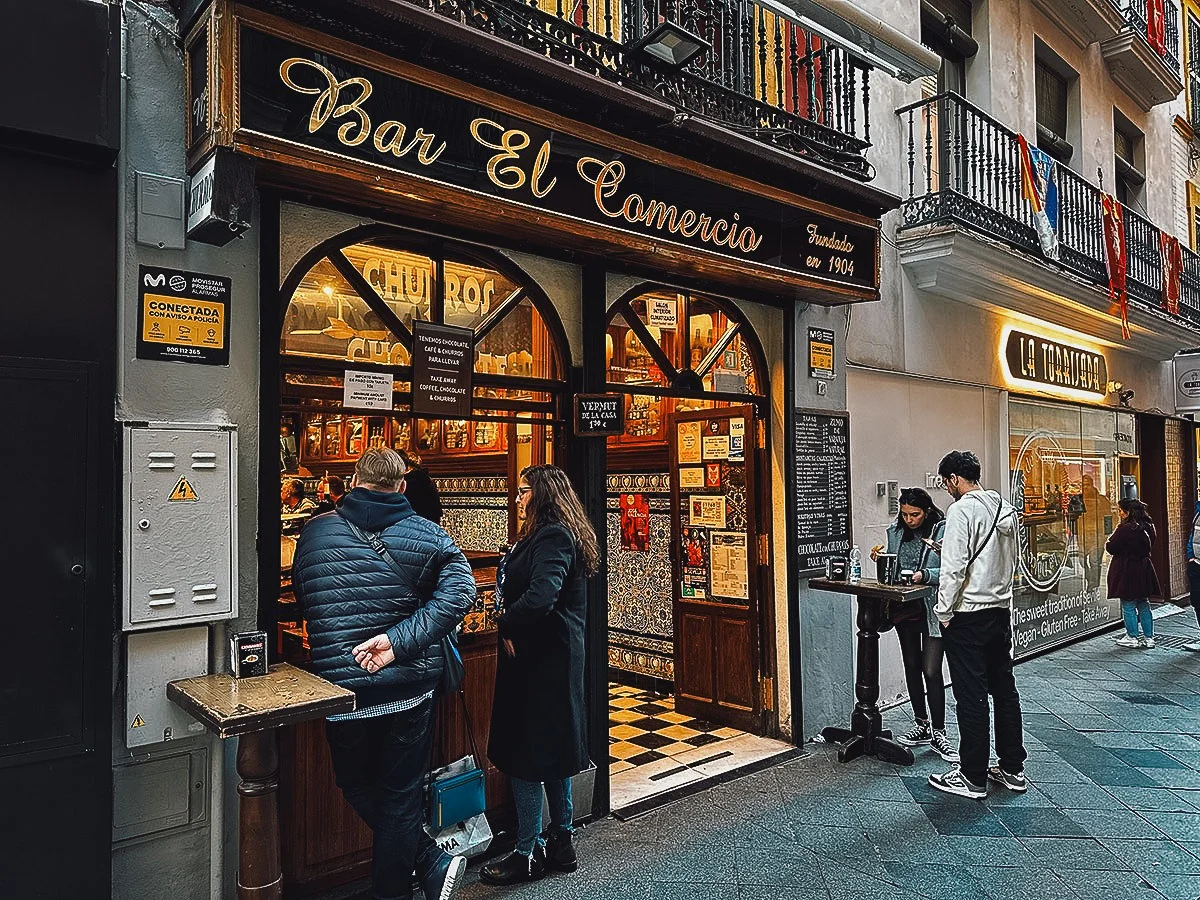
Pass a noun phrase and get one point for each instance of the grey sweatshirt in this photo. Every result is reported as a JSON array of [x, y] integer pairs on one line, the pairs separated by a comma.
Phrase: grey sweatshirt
[[988, 582]]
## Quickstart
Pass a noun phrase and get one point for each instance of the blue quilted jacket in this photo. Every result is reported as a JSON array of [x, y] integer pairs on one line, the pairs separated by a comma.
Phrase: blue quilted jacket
[[349, 594]]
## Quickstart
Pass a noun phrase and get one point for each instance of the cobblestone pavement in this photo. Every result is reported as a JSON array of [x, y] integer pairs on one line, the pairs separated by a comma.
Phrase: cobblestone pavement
[[1113, 810]]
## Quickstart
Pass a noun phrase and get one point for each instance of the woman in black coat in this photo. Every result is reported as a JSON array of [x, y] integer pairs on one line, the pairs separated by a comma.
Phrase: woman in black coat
[[538, 735], [1131, 574]]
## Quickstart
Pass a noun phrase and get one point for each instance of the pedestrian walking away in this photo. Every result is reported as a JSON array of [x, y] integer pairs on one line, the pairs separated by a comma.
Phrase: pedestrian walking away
[[375, 626], [1131, 575], [979, 558], [914, 538], [1193, 570], [538, 736]]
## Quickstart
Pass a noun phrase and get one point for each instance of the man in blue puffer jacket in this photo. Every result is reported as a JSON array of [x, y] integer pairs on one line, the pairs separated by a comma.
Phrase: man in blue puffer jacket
[[376, 628]]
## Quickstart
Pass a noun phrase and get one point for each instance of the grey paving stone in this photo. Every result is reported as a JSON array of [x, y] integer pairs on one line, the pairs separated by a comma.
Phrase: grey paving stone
[[1091, 885], [1152, 798], [1154, 855], [1038, 823], [1022, 884], [1101, 823], [1125, 776], [1078, 796], [1179, 826], [1175, 887], [811, 890], [1073, 853], [847, 884], [936, 882], [1186, 779], [765, 866]]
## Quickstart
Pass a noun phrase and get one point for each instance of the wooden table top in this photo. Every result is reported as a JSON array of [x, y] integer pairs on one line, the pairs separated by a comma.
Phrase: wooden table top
[[869, 587], [286, 695]]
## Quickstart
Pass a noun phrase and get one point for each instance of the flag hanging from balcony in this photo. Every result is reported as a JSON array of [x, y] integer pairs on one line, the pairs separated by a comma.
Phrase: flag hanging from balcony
[[1156, 26], [1039, 184], [1117, 255], [1172, 271]]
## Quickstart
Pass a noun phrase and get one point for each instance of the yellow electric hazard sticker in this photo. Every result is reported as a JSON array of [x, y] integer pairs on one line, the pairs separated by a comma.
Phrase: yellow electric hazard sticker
[[138, 722], [183, 492]]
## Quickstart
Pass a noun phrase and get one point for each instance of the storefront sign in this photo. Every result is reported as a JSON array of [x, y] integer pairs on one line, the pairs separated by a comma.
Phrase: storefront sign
[[183, 316], [1187, 382], [662, 312], [220, 197], [367, 390], [821, 486], [443, 360], [820, 353], [318, 100], [1051, 364], [599, 415]]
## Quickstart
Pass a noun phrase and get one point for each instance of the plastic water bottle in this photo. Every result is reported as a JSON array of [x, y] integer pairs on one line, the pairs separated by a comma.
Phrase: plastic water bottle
[[855, 565]]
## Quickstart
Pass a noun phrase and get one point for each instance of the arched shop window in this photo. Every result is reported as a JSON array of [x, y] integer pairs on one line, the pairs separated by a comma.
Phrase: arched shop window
[[671, 350], [351, 304]]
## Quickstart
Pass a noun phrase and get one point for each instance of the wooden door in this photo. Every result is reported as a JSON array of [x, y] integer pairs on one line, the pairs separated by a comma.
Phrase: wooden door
[[715, 562], [55, 828]]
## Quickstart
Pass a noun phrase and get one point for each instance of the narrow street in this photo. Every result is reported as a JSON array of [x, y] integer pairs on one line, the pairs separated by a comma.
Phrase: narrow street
[[1112, 810]]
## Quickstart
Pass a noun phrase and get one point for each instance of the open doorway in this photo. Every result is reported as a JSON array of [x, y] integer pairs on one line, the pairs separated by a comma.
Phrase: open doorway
[[690, 636]]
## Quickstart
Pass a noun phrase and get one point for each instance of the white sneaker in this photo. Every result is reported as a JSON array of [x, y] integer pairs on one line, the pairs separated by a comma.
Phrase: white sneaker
[[942, 746], [955, 782], [1014, 781], [1193, 646], [1146, 643], [1127, 641]]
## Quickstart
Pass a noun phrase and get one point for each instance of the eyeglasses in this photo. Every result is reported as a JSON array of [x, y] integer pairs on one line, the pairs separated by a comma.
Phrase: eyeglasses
[[523, 490]]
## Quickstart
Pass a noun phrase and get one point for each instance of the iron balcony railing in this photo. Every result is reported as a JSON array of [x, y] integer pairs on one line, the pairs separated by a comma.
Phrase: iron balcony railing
[[964, 168], [1135, 15], [762, 75]]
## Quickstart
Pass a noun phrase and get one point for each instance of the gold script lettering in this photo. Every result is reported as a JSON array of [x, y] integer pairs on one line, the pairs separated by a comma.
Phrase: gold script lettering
[[511, 142]]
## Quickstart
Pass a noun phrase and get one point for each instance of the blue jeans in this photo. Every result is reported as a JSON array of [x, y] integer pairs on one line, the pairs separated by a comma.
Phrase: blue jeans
[[1133, 610], [380, 764], [527, 795]]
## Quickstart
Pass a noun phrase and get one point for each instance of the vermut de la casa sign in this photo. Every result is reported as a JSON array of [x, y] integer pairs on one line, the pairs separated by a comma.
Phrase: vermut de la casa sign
[[292, 92], [1052, 364]]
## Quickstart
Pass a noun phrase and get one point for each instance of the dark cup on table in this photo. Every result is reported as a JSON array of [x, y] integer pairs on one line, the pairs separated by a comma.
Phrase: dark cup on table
[[905, 576], [887, 568]]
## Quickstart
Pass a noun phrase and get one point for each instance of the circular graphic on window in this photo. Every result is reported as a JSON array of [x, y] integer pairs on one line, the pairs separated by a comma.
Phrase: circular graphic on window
[[1043, 550], [1189, 383]]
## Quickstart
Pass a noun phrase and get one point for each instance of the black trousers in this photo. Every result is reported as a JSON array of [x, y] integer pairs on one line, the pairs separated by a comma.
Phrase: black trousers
[[1193, 571], [380, 764], [922, 657], [979, 650]]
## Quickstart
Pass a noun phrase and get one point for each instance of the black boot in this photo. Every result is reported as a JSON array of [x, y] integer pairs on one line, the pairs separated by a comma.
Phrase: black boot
[[560, 853], [515, 868]]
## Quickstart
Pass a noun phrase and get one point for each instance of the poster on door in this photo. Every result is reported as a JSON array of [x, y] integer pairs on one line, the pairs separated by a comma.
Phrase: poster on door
[[694, 542], [707, 511], [635, 523], [729, 565], [688, 442]]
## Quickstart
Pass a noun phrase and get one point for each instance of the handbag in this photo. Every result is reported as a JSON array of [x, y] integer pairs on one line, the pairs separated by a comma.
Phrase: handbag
[[456, 793], [452, 664]]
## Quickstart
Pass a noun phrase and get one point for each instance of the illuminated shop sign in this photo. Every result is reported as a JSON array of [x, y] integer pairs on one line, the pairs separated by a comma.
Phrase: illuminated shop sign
[[1054, 365]]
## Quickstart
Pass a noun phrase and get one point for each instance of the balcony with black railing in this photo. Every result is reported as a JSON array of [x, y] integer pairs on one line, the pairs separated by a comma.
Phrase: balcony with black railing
[[760, 75], [964, 171], [1144, 60]]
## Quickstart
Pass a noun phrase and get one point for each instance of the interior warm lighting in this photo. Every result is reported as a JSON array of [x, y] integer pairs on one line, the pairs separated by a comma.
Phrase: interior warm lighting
[[327, 290]]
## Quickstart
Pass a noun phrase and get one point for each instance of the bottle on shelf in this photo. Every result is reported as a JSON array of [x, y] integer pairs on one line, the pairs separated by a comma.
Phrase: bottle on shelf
[[855, 565]]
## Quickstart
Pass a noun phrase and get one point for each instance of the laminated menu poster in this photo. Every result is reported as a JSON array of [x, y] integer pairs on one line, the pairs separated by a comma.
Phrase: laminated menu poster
[[729, 565], [694, 543], [635, 523], [706, 510], [688, 442], [691, 478]]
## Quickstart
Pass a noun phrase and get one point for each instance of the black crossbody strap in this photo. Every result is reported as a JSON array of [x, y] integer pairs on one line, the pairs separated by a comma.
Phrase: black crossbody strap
[[991, 531]]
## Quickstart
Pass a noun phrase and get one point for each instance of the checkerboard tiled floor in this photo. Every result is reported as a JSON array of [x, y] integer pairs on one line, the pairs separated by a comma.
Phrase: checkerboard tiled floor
[[644, 728]]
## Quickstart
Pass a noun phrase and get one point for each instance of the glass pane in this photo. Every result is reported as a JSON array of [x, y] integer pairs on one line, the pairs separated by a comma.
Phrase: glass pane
[[629, 362], [706, 325], [733, 370], [472, 293], [326, 318], [645, 417], [518, 345], [661, 313], [404, 280]]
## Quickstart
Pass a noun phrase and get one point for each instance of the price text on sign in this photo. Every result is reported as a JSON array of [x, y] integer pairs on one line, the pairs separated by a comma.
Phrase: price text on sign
[[821, 486]]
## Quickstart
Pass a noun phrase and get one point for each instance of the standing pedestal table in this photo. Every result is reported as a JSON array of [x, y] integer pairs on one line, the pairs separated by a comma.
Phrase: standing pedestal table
[[253, 709], [866, 734]]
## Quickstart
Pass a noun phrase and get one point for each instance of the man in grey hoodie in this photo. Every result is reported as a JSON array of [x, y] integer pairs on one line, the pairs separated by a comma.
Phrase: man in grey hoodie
[[979, 558]]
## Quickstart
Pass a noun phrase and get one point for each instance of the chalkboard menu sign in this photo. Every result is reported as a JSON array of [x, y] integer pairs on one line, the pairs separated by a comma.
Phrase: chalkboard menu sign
[[443, 360], [599, 415], [821, 482]]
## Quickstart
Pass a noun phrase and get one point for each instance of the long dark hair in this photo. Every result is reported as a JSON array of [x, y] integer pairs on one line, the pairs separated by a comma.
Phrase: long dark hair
[[1138, 513], [918, 497], [552, 499]]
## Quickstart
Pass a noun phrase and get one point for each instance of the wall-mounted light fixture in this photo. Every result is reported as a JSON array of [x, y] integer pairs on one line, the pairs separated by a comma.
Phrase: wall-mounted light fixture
[[671, 44]]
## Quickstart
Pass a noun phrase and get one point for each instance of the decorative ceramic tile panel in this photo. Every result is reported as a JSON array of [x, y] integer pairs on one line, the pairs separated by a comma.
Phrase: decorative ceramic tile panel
[[472, 486], [476, 527]]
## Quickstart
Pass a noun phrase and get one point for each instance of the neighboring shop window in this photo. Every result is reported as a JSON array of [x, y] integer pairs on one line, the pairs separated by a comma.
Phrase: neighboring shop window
[[1192, 61], [1067, 465], [666, 341]]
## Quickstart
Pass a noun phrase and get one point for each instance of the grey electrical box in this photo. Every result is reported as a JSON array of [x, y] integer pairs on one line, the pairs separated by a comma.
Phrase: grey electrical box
[[160, 211], [152, 659], [180, 525]]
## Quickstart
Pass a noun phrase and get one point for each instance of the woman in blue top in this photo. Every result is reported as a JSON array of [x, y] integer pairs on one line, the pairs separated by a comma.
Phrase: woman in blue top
[[916, 625]]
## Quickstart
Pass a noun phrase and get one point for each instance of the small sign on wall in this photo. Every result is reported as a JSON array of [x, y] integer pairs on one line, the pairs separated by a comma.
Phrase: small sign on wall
[[820, 353], [599, 415], [367, 390], [443, 362], [183, 316]]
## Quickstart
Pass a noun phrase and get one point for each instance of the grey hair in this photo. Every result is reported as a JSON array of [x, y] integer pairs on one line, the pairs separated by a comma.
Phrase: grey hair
[[380, 467]]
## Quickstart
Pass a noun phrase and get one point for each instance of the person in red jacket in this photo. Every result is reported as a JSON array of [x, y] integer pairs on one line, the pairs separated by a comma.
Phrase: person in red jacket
[[1131, 575]]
